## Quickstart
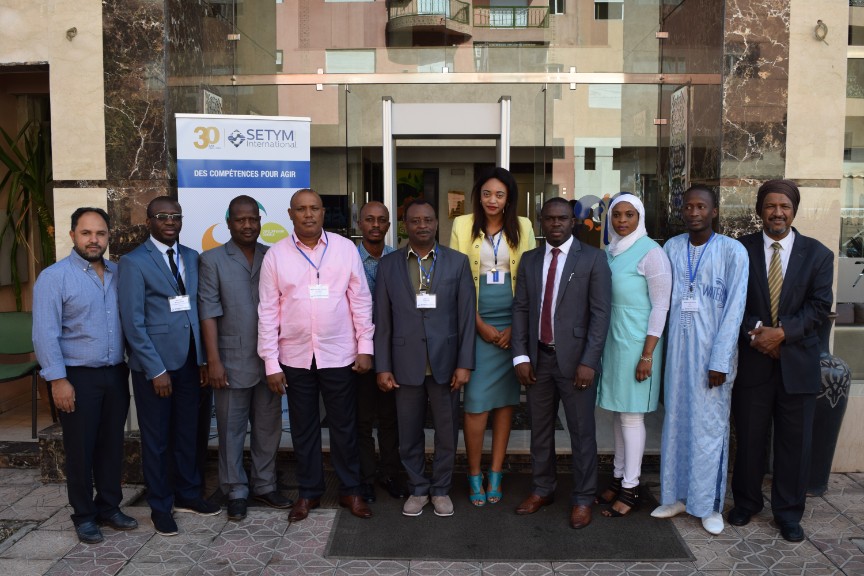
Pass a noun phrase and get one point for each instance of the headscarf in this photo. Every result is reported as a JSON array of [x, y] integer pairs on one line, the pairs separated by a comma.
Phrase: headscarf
[[617, 243], [786, 187]]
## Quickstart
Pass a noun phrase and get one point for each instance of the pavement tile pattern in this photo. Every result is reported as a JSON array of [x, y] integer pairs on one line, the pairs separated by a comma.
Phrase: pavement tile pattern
[[266, 544]]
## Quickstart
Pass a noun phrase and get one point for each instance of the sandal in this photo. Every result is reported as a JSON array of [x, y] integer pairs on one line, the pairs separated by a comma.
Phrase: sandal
[[477, 495], [612, 490], [627, 496], [493, 488]]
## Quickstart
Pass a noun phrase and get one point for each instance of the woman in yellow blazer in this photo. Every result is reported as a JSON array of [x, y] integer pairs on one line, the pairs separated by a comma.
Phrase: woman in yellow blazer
[[494, 239]]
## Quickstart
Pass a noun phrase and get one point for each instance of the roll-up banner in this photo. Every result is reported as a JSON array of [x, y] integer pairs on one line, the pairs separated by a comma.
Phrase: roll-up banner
[[220, 157]]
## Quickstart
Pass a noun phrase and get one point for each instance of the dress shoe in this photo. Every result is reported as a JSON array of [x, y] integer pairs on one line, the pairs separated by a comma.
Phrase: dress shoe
[[367, 492], [119, 521], [738, 516], [199, 506], [669, 510], [274, 499], [164, 523], [356, 505], [237, 508], [791, 531], [713, 523], [394, 487], [89, 533], [302, 507], [533, 503], [580, 516]]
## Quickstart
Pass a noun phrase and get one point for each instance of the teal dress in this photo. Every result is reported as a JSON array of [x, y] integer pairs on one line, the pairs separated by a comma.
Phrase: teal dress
[[618, 390]]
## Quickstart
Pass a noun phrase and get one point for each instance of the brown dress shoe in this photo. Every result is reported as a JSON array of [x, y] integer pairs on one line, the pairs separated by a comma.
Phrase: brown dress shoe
[[356, 505], [533, 503], [302, 508], [580, 516]]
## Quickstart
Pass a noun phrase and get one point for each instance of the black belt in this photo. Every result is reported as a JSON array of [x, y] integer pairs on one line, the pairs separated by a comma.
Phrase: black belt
[[545, 347]]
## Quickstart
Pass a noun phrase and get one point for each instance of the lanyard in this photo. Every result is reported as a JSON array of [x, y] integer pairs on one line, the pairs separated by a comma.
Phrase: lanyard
[[309, 260], [495, 246], [690, 271], [426, 277]]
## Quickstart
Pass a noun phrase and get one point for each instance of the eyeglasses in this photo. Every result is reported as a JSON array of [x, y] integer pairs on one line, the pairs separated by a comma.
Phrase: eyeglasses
[[162, 217]]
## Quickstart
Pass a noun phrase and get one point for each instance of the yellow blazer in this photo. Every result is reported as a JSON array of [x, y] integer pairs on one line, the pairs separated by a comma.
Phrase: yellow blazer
[[461, 240]]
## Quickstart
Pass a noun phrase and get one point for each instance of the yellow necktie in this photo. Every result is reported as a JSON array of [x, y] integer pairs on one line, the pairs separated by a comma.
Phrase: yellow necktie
[[775, 282]]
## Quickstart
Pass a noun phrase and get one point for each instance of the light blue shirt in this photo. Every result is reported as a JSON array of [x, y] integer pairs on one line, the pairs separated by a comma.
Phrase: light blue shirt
[[76, 319], [370, 264]]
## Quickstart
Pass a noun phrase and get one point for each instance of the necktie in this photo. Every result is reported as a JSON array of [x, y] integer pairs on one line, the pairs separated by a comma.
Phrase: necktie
[[175, 271], [546, 335], [775, 282]]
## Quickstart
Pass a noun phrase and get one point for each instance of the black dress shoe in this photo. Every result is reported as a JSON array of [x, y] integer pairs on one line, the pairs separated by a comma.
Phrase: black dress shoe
[[394, 487], [89, 533], [738, 516], [791, 531], [367, 492], [119, 521], [237, 509], [199, 506], [164, 523], [275, 500]]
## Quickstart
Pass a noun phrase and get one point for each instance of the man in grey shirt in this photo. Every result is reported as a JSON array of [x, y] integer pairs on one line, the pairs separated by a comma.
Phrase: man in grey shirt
[[79, 344], [228, 309]]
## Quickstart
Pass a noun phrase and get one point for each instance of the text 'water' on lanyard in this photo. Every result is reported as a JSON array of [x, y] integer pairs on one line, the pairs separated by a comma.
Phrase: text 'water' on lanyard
[[317, 291], [690, 304]]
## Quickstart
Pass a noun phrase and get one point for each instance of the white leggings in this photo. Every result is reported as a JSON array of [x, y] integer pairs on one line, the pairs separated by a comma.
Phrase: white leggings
[[629, 429]]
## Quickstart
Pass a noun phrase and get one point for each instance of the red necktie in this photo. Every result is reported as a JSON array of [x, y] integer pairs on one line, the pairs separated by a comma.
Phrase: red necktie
[[546, 335]]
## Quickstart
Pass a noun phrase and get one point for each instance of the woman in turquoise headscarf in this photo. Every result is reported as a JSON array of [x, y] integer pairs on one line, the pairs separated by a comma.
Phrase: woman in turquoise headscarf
[[629, 384]]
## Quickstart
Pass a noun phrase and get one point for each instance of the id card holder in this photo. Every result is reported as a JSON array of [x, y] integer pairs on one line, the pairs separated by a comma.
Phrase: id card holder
[[426, 301], [494, 277], [690, 305], [180, 303], [319, 291]]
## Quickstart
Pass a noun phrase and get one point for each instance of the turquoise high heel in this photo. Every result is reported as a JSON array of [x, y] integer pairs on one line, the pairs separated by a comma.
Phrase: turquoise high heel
[[477, 495], [493, 489]]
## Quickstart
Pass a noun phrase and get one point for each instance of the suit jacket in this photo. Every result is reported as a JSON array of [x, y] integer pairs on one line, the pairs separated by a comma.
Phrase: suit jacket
[[407, 337], [157, 337], [582, 310], [228, 292], [805, 302]]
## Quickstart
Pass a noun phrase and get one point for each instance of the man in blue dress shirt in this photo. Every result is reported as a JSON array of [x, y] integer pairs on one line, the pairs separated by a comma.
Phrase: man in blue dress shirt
[[79, 344]]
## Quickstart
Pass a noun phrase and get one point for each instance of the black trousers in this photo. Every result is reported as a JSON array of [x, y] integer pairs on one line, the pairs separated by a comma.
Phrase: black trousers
[[93, 440], [755, 408], [336, 387], [375, 406]]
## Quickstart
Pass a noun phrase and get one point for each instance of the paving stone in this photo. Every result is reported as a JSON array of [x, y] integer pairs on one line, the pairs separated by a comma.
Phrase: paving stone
[[117, 545], [371, 568], [184, 548], [843, 553], [431, 568], [239, 548], [150, 569], [23, 567], [40, 504], [38, 545], [590, 568], [521, 569], [88, 567]]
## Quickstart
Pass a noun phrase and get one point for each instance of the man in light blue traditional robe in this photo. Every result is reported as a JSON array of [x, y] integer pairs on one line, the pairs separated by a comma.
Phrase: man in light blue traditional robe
[[709, 291]]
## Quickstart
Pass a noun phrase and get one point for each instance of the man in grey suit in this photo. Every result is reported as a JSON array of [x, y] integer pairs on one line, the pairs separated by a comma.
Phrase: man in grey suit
[[561, 315], [424, 350], [228, 308], [157, 287]]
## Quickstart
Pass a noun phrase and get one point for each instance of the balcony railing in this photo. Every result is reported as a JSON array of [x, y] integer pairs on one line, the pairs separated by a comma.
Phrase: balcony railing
[[451, 9], [511, 17]]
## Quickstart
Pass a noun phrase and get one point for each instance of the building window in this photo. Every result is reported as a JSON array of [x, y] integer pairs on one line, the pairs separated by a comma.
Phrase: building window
[[608, 9], [350, 61], [556, 6]]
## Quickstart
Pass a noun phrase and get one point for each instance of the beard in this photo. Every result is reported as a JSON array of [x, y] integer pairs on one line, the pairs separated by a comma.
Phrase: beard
[[90, 257]]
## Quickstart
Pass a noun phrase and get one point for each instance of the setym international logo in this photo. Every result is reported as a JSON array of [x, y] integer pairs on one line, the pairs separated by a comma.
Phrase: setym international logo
[[210, 137], [236, 138]]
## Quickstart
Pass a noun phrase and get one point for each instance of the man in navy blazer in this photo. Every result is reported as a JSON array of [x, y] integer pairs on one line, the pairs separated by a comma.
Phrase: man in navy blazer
[[158, 285], [778, 362]]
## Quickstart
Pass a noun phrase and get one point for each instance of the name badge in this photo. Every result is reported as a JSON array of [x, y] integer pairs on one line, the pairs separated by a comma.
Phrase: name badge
[[690, 305], [426, 300], [180, 303], [319, 291], [494, 277]]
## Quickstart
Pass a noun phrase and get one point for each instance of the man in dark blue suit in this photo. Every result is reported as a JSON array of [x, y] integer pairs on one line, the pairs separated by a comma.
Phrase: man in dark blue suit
[[788, 297], [158, 285]]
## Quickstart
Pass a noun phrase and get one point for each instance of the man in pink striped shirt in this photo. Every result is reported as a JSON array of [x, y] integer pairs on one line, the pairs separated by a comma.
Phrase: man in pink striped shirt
[[315, 328]]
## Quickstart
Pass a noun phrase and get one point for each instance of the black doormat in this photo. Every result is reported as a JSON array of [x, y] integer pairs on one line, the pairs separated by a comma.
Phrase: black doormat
[[495, 532]]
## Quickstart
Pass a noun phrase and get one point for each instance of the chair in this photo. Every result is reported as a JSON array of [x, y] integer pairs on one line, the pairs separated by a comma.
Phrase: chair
[[16, 330]]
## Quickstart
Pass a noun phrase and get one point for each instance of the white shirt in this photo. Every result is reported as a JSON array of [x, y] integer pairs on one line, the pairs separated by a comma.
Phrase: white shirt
[[785, 250], [163, 248]]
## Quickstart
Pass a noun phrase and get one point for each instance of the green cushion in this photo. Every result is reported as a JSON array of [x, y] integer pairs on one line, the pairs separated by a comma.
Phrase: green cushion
[[16, 332], [15, 371]]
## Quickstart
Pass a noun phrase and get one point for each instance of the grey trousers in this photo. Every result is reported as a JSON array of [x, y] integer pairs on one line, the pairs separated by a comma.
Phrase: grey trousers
[[235, 409]]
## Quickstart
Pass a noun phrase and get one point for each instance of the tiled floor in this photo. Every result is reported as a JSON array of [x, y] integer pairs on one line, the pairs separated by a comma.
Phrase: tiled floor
[[267, 544], [15, 423]]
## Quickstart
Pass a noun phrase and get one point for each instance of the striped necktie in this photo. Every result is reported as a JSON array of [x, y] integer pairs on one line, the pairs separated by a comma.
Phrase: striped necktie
[[775, 282]]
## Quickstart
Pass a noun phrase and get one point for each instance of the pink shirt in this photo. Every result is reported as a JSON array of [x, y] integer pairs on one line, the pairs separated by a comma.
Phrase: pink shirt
[[292, 326]]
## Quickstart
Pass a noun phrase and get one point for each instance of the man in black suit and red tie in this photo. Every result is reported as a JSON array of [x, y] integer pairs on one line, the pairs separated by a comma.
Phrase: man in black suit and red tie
[[788, 297]]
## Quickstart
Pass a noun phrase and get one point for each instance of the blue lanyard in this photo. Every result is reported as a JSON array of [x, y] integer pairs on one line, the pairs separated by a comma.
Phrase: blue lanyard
[[317, 268], [495, 246], [426, 277], [690, 271]]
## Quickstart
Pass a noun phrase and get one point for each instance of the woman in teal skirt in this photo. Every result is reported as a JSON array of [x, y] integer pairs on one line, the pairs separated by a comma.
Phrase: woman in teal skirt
[[494, 239]]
